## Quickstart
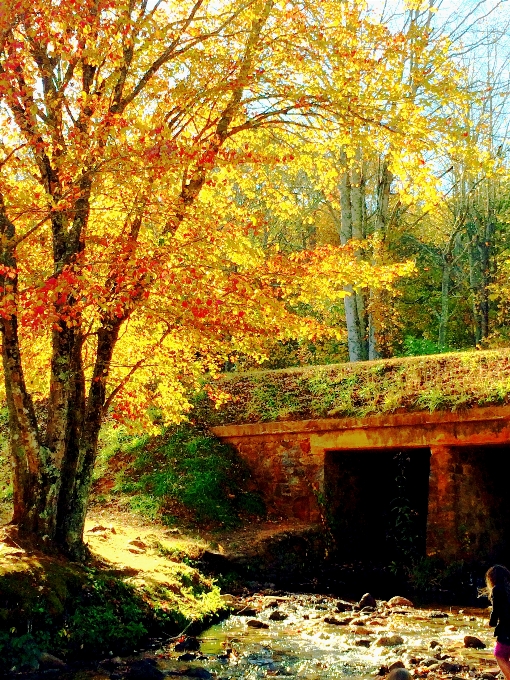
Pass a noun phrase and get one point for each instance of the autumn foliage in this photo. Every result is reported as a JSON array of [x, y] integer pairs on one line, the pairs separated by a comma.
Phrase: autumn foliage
[[129, 261]]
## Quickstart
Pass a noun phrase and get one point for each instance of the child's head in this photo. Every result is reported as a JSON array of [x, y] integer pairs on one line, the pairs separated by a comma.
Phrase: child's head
[[497, 576]]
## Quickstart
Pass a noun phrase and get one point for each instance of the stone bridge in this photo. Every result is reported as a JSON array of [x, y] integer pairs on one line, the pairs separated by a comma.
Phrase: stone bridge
[[457, 466]]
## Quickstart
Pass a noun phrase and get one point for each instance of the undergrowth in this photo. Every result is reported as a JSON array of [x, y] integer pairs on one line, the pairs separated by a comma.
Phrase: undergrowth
[[184, 474], [81, 613]]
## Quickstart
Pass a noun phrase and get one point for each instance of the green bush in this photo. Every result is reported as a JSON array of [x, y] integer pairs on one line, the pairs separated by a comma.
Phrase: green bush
[[189, 470]]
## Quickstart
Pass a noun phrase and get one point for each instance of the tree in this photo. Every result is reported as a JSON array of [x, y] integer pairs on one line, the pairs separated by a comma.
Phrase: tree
[[118, 266]]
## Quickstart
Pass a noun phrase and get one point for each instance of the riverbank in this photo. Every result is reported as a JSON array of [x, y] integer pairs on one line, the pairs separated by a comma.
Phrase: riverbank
[[139, 584]]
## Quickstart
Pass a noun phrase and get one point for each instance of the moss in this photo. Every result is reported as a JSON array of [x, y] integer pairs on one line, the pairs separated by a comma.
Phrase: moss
[[47, 604], [428, 383]]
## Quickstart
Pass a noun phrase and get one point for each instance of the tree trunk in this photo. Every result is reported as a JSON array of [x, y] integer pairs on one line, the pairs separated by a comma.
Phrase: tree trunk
[[351, 204], [445, 304]]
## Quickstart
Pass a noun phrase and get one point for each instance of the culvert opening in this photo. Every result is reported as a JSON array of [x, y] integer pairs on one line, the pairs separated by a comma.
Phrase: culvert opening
[[479, 478], [376, 503]]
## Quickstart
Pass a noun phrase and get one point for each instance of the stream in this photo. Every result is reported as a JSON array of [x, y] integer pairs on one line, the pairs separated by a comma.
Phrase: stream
[[314, 637]]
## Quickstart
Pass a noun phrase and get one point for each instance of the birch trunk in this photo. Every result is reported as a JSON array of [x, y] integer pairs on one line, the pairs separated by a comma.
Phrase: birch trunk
[[352, 319]]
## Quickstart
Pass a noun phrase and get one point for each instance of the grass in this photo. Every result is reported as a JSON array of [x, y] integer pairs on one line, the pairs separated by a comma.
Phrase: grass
[[112, 604], [445, 382], [185, 474]]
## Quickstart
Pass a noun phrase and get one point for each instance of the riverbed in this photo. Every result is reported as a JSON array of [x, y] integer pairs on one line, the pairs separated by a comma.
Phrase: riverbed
[[314, 637]]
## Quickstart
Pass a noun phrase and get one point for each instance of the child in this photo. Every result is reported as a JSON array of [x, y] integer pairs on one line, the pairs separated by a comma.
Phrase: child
[[498, 583]]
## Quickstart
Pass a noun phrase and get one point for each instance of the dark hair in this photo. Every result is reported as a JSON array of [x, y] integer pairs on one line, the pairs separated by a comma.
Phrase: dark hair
[[498, 575]]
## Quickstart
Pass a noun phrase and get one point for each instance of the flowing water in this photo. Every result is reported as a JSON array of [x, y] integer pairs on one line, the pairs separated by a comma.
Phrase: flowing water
[[315, 640], [303, 645]]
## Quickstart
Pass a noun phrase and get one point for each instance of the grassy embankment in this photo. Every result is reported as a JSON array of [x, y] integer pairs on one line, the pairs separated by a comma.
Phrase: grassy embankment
[[445, 382]]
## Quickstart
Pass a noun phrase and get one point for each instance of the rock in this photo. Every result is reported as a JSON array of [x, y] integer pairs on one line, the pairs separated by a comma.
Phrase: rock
[[228, 599], [188, 644], [242, 610], [474, 642], [144, 669], [368, 610], [390, 641], [358, 622], [191, 672], [255, 623], [336, 622], [173, 531], [343, 606], [438, 615], [367, 601], [48, 661], [434, 643], [449, 667], [201, 673], [396, 664], [429, 662], [451, 629], [137, 543], [399, 674], [398, 601], [383, 670], [363, 643], [188, 656], [278, 616]]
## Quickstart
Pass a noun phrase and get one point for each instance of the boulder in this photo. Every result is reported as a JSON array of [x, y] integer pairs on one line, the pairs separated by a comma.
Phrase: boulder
[[367, 601], [474, 642], [255, 623], [398, 601], [278, 616], [434, 643], [390, 641]]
